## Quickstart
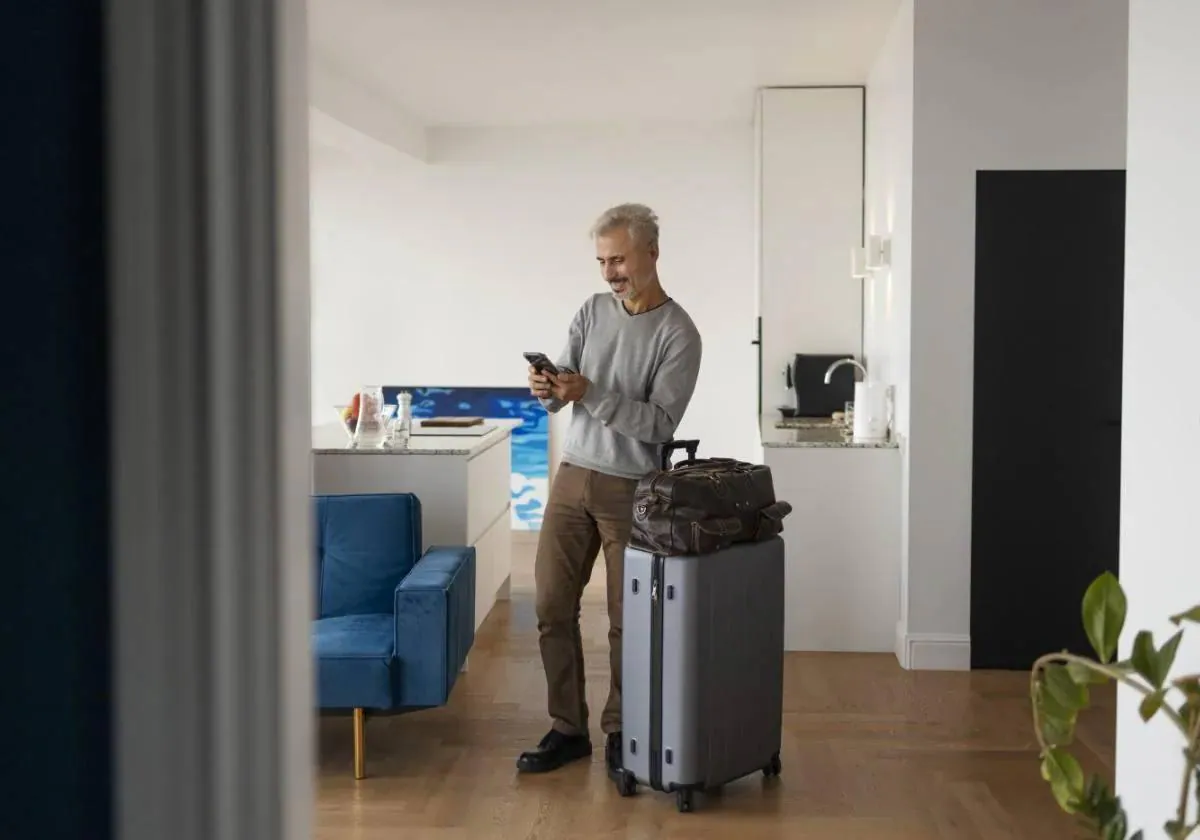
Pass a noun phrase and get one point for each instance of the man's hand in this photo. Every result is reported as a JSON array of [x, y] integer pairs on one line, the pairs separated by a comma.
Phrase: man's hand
[[568, 387], [539, 384]]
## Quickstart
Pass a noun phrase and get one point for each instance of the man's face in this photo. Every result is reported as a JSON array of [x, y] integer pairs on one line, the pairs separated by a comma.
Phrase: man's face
[[626, 266]]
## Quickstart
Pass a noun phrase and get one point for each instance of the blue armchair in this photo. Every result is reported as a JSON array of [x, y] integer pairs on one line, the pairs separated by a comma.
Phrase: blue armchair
[[393, 625]]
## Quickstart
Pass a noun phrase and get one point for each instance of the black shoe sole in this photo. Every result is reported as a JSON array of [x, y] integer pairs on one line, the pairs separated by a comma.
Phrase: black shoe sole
[[543, 763], [615, 771]]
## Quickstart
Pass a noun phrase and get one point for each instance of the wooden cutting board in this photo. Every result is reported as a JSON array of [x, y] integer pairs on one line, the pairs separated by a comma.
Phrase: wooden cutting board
[[451, 422]]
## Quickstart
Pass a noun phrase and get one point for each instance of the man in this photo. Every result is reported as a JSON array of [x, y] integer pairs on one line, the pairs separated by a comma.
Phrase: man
[[629, 369]]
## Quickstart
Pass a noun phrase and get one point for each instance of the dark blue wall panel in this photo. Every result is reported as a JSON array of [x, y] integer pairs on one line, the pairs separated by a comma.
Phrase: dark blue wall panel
[[55, 651]]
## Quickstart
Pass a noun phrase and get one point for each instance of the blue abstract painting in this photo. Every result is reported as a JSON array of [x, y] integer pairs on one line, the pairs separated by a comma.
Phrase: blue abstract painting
[[530, 440]]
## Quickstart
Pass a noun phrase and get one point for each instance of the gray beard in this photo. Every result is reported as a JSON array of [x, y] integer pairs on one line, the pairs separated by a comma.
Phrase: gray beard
[[621, 295]]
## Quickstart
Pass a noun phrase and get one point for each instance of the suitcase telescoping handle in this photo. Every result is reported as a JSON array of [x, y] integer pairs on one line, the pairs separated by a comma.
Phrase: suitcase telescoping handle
[[672, 446]]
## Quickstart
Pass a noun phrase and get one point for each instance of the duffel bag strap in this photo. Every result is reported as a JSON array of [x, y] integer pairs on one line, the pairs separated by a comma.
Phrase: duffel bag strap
[[727, 527], [725, 464]]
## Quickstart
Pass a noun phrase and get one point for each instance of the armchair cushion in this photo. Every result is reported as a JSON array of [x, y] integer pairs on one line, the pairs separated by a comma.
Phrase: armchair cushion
[[366, 544], [356, 666]]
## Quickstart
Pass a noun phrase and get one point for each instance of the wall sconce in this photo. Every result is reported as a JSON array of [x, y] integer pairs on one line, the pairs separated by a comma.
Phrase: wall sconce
[[879, 252], [858, 264]]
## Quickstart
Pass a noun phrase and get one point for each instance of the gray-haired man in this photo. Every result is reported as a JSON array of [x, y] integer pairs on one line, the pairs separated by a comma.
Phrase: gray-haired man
[[629, 369]]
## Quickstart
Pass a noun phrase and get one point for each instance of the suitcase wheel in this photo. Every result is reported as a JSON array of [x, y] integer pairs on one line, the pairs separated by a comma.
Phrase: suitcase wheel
[[774, 768], [683, 800], [626, 783]]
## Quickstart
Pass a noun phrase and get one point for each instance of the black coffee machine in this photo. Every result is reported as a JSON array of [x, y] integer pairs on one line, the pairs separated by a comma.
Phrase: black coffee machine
[[806, 379]]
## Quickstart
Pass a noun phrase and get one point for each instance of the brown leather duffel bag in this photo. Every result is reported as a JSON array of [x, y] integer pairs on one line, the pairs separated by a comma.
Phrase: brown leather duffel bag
[[703, 505]]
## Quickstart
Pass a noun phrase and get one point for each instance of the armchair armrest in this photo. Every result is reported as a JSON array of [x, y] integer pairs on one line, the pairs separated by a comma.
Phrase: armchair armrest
[[435, 624]]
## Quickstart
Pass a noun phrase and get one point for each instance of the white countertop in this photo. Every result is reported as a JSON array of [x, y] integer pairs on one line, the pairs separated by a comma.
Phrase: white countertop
[[810, 434], [331, 439]]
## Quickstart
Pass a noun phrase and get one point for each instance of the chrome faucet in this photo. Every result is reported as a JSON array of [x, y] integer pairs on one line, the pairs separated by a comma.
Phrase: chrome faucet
[[839, 363]]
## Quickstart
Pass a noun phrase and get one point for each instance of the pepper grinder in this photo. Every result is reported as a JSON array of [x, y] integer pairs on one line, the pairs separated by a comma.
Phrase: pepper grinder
[[403, 418]]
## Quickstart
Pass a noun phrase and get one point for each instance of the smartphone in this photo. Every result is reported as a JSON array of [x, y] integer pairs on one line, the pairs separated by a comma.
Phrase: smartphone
[[541, 363]]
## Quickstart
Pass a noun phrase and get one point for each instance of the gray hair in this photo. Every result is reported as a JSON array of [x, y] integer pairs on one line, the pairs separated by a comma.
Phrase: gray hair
[[638, 219]]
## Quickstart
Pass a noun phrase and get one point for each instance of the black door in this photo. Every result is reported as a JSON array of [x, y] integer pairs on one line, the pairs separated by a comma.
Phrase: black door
[[1049, 301]]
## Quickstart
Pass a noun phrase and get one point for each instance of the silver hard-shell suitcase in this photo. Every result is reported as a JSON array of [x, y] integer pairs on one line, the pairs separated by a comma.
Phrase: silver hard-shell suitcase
[[702, 668]]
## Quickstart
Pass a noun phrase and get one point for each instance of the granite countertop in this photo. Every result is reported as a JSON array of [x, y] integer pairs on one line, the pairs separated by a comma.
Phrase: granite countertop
[[331, 439], [812, 433]]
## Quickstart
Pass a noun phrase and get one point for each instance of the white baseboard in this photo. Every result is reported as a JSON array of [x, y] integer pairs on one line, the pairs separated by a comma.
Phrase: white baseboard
[[933, 651]]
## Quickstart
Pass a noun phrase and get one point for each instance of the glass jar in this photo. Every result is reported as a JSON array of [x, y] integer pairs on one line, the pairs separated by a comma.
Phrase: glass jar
[[372, 425]]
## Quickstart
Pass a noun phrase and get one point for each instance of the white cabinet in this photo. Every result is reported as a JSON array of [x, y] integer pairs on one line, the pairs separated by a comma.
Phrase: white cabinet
[[842, 591], [810, 214]]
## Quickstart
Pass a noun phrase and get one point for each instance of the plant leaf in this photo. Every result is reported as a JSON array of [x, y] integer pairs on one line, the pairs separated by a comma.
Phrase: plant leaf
[[1064, 689], [1056, 721], [1065, 776], [1166, 655], [1115, 828], [1189, 686], [1096, 791], [1192, 615], [1143, 656], [1151, 703], [1154, 664], [1058, 731], [1084, 675], [1104, 810], [1111, 818], [1104, 608]]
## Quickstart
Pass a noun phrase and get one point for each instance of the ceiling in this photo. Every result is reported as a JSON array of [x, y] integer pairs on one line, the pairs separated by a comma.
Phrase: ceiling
[[536, 62]]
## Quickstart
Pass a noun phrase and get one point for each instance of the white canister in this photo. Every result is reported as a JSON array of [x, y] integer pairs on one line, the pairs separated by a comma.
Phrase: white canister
[[870, 412]]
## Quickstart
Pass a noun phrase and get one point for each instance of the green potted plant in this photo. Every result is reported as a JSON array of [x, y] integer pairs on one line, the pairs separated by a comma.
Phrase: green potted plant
[[1059, 687]]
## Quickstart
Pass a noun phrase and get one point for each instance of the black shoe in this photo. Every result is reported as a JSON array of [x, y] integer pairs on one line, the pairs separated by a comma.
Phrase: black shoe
[[555, 750], [613, 758]]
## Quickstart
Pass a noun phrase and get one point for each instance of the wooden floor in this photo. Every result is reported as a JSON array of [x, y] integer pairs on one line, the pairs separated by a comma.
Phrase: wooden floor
[[870, 752]]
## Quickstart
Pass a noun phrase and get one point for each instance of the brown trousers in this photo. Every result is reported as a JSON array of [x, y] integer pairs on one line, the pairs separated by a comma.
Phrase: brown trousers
[[586, 511]]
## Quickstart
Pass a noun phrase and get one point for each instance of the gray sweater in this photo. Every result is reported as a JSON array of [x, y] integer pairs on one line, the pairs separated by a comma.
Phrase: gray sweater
[[642, 369]]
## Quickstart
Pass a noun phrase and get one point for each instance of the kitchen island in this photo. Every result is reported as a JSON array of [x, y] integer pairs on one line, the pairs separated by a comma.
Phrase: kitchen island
[[463, 482], [842, 537]]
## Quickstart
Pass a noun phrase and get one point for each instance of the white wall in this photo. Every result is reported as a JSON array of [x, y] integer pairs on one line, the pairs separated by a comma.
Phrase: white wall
[[1159, 569], [889, 131], [1022, 84], [887, 294], [445, 272], [810, 214]]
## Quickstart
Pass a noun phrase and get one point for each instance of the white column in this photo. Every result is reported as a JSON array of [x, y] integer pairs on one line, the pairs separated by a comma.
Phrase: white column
[[209, 264], [1160, 409]]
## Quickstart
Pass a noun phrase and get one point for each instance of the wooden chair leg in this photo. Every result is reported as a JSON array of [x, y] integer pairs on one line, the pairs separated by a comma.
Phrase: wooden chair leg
[[360, 759]]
